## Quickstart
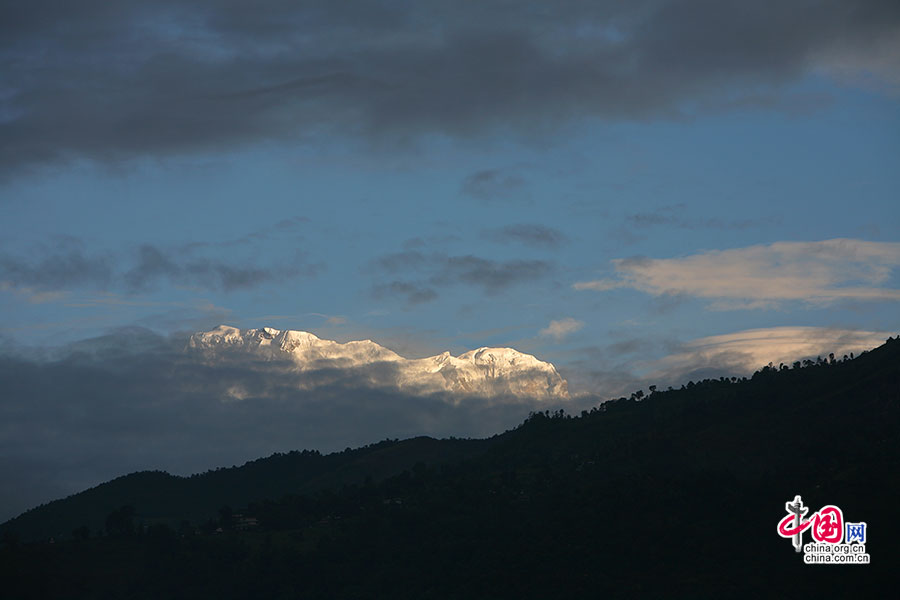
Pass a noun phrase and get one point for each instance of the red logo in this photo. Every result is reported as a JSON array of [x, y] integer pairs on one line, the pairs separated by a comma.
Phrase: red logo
[[826, 524]]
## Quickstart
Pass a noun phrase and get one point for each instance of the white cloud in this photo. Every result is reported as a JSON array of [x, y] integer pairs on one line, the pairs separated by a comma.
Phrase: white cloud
[[561, 328], [743, 352], [817, 273]]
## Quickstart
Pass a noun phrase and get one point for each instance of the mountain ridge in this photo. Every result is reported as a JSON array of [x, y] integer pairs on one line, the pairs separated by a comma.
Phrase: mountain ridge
[[672, 494], [484, 371], [162, 497]]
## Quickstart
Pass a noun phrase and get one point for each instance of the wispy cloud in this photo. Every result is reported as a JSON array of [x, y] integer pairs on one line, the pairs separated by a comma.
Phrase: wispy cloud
[[66, 264], [284, 227], [414, 293], [492, 276], [558, 330], [743, 352], [423, 273], [529, 234], [492, 184], [675, 215], [816, 273], [60, 264], [636, 362], [330, 319], [32, 295], [155, 265]]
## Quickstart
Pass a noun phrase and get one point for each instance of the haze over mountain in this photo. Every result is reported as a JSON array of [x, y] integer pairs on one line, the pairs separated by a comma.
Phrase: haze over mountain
[[481, 372]]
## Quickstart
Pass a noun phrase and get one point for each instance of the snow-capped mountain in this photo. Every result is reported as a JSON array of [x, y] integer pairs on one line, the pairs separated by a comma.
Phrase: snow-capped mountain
[[481, 372]]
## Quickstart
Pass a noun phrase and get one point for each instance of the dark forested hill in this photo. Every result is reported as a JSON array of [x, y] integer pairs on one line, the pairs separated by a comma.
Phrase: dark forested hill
[[676, 493], [160, 498]]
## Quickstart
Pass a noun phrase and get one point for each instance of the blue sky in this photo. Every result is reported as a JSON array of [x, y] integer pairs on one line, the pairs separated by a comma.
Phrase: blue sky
[[636, 192], [322, 219]]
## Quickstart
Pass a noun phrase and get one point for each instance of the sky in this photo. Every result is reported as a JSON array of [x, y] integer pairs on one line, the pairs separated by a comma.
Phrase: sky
[[640, 193]]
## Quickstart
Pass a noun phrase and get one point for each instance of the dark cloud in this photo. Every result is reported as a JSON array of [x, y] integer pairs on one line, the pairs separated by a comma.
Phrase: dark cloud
[[423, 272], [492, 184], [66, 265], [133, 400], [57, 271], [402, 261], [492, 276], [109, 81], [62, 264], [530, 234], [155, 266], [414, 293]]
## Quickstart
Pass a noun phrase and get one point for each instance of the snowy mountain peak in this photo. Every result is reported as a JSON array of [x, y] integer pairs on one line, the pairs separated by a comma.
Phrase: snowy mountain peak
[[482, 372]]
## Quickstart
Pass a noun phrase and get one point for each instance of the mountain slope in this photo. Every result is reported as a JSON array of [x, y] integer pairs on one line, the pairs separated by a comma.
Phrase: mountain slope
[[675, 495], [162, 498]]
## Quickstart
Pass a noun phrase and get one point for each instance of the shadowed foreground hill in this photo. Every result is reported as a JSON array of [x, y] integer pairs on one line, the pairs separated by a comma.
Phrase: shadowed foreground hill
[[160, 498], [674, 494]]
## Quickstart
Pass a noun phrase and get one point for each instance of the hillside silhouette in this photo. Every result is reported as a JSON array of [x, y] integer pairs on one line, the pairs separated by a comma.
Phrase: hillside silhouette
[[670, 493], [161, 498]]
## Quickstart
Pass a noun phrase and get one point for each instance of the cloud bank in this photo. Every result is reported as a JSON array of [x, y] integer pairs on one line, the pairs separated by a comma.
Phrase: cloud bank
[[111, 81], [813, 273], [75, 416]]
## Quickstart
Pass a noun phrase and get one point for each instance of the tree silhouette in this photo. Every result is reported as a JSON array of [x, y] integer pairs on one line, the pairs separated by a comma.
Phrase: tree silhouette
[[120, 522]]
